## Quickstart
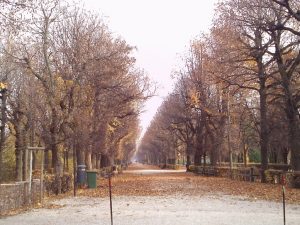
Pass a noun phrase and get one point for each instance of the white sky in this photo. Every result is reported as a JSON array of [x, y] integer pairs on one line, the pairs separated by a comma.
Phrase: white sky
[[161, 30]]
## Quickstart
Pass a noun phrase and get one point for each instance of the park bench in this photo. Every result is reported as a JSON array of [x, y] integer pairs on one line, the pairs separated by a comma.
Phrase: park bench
[[248, 174], [206, 170], [296, 175], [209, 171]]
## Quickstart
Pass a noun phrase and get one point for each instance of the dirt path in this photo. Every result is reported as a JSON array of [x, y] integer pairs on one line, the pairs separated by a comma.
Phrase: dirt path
[[149, 196]]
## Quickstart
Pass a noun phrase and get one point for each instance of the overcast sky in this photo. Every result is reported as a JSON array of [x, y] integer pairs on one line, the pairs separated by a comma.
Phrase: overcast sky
[[161, 30]]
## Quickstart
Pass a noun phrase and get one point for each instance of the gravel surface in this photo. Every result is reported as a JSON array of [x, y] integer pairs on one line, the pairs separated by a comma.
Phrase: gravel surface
[[154, 210], [146, 195]]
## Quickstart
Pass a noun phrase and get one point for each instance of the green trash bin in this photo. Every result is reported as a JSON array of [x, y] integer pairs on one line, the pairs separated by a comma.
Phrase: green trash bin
[[91, 179]]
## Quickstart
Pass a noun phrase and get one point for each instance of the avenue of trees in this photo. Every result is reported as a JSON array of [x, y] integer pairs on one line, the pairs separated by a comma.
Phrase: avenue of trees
[[238, 93], [68, 84]]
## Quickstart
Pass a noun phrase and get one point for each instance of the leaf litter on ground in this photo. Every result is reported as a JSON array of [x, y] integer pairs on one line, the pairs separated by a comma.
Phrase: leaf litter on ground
[[188, 184]]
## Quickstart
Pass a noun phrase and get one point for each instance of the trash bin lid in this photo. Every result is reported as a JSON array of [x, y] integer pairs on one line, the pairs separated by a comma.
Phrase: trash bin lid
[[79, 166]]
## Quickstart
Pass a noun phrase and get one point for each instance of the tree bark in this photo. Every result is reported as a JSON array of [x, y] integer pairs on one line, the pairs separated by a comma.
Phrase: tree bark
[[98, 160], [54, 140], [286, 71], [46, 165], [264, 137], [56, 164], [293, 120], [88, 159], [67, 160], [294, 134], [80, 156], [245, 155], [34, 159], [94, 161], [25, 164], [19, 148], [2, 130]]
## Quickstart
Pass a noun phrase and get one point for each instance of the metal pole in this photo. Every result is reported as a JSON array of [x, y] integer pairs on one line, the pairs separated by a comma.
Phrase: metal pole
[[42, 179], [74, 171], [283, 202], [111, 212]]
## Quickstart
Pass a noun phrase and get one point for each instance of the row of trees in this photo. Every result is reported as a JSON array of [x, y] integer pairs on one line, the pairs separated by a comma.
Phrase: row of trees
[[238, 90], [71, 86]]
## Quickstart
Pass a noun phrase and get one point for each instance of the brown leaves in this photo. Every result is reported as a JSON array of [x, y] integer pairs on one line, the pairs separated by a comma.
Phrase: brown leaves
[[188, 184]]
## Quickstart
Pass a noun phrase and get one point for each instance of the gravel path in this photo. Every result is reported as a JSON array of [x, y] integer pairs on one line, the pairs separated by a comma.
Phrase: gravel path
[[149, 196], [154, 210]]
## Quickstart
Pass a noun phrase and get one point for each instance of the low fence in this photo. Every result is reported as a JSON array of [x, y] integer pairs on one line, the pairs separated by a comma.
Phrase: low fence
[[252, 174], [16, 195]]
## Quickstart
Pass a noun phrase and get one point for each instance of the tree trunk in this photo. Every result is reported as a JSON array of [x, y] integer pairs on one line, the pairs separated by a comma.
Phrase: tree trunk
[[94, 161], [264, 137], [287, 71], [88, 159], [34, 159], [19, 148], [104, 161], [98, 160], [2, 130], [213, 151], [245, 155], [213, 157], [293, 122], [46, 165], [31, 141], [188, 155], [197, 158], [25, 164], [67, 160], [199, 144], [54, 142], [285, 153], [56, 164], [294, 133], [18, 165], [80, 156], [54, 148]]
